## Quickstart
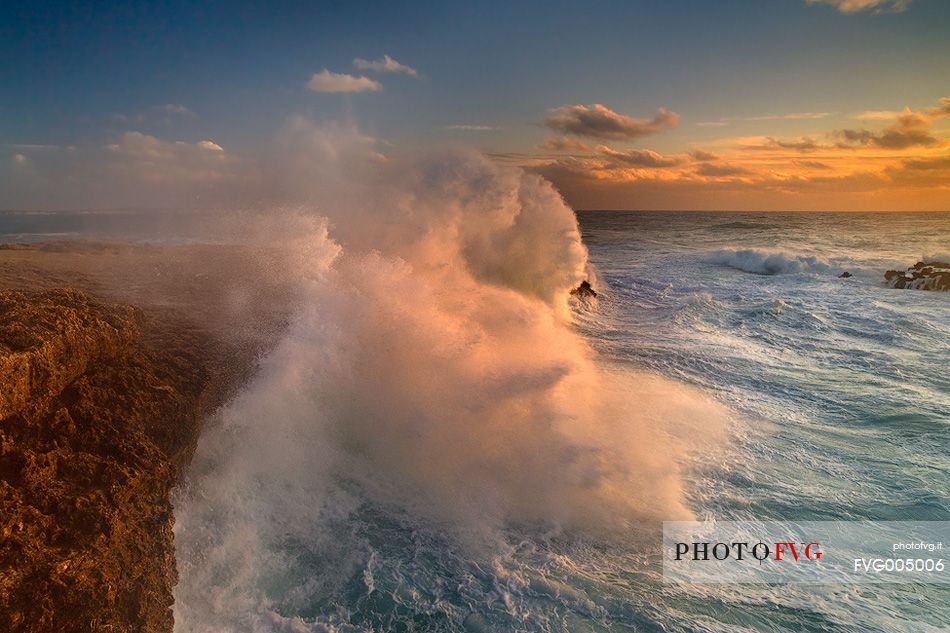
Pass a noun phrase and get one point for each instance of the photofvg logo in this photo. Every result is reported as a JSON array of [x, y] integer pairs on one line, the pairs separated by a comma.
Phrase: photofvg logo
[[740, 550], [805, 552]]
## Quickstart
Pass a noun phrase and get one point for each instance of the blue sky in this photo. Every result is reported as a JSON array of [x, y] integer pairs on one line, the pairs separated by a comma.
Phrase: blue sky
[[84, 74]]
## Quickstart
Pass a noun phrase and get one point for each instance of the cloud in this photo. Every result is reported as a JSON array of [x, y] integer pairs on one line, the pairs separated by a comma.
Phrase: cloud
[[790, 116], [928, 164], [165, 114], [326, 81], [175, 108], [912, 129], [738, 187], [39, 146], [210, 145], [813, 164], [720, 171], [802, 116], [834, 169], [876, 115], [386, 64], [152, 159], [804, 144], [640, 157], [599, 121], [703, 156], [133, 168], [943, 109], [564, 144], [924, 173], [470, 127], [854, 6], [907, 129]]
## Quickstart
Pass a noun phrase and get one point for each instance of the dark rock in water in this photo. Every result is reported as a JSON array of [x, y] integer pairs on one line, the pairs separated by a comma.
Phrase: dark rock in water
[[932, 275], [584, 290], [845, 275]]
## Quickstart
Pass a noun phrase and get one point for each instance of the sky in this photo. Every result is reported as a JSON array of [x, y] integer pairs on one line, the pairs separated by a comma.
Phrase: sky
[[684, 104]]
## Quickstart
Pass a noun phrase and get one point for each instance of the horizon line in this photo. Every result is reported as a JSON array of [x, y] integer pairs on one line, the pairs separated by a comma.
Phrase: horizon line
[[126, 209]]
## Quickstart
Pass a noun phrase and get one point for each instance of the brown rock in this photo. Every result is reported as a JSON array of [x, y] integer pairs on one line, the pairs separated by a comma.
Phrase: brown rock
[[49, 340], [932, 275], [99, 410]]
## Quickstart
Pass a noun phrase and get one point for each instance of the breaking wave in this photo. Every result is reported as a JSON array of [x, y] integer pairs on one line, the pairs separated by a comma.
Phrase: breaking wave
[[762, 262], [429, 377]]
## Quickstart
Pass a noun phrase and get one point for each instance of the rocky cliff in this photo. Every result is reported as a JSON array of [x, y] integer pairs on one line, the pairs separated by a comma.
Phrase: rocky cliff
[[924, 275], [99, 410]]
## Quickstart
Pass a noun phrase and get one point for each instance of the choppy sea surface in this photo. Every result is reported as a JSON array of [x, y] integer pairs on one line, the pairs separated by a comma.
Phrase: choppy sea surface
[[841, 386], [839, 390]]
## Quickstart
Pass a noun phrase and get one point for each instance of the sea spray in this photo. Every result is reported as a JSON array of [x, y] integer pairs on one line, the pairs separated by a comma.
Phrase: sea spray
[[429, 379]]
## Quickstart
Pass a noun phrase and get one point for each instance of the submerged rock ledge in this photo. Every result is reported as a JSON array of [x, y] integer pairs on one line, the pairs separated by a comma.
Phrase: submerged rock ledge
[[100, 408]]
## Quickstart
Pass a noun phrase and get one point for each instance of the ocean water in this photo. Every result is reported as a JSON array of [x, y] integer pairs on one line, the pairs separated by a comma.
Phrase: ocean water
[[840, 386], [153, 225], [838, 400], [843, 384], [836, 395]]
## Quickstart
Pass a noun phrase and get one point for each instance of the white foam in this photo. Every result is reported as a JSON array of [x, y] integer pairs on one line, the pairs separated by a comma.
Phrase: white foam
[[764, 262], [430, 368]]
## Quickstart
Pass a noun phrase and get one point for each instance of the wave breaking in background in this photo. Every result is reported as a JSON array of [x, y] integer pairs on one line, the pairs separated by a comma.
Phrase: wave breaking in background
[[763, 262]]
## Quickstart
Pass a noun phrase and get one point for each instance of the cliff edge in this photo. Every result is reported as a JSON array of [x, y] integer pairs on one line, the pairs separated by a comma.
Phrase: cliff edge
[[100, 408]]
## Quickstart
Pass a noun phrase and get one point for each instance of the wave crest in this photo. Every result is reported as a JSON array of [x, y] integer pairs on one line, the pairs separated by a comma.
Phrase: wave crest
[[763, 262]]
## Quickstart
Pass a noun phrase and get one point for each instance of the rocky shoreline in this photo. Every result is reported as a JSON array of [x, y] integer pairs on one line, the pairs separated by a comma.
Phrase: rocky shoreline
[[101, 404], [924, 275], [100, 408]]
